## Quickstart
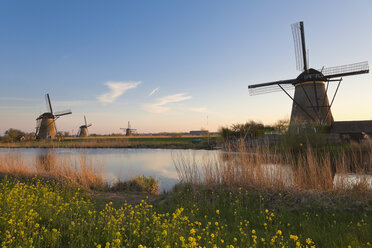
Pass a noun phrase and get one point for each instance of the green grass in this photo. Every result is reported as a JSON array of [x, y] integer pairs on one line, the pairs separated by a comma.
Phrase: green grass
[[330, 220], [137, 184], [49, 214]]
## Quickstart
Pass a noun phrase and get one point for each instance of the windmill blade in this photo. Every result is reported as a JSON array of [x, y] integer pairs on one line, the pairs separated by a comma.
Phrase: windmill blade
[[299, 45], [65, 112], [89, 125], [258, 89], [48, 103], [346, 70], [270, 89], [85, 120]]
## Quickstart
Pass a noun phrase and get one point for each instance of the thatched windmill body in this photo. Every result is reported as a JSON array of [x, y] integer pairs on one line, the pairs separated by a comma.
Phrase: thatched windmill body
[[83, 129], [311, 106], [45, 123]]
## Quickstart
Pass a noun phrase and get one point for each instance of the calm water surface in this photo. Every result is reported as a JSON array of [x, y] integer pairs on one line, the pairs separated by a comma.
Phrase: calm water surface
[[125, 163]]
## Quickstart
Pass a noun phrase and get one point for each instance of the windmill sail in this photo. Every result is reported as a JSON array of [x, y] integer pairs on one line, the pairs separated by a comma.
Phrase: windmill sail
[[48, 104], [85, 121], [299, 46], [346, 70], [258, 89], [64, 112]]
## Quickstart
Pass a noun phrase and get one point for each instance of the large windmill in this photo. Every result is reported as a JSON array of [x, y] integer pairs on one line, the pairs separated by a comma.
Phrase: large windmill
[[311, 106], [45, 123], [83, 129], [129, 131]]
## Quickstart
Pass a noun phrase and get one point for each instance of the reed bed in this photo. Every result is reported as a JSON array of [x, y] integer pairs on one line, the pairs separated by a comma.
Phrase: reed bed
[[270, 167], [79, 171]]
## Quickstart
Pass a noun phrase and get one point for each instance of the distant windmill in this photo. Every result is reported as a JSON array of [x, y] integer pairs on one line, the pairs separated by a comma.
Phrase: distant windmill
[[129, 131], [310, 102], [45, 123], [83, 131]]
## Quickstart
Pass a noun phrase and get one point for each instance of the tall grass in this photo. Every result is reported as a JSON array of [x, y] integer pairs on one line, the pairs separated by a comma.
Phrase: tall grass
[[78, 171], [271, 167]]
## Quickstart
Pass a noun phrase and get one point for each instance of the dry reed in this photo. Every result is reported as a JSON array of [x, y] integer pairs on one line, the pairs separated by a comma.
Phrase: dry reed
[[77, 171], [267, 167]]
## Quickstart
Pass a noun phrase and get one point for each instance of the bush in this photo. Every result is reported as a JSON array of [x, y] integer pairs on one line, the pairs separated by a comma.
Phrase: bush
[[138, 184], [12, 135]]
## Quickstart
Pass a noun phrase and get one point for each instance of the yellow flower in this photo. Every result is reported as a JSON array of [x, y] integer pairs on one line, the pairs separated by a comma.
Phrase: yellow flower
[[217, 211], [309, 241], [294, 237]]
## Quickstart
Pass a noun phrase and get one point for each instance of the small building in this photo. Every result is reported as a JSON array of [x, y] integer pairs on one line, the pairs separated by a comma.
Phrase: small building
[[352, 130]]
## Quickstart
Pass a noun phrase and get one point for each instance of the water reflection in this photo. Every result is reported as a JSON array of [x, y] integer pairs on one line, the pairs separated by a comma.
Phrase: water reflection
[[159, 163], [45, 160], [118, 163]]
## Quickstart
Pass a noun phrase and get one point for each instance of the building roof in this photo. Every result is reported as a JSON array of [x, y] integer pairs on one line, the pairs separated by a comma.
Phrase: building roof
[[351, 127]]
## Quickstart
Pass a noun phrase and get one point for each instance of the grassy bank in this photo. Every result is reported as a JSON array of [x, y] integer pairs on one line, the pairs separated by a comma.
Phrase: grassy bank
[[118, 142], [231, 200], [49, 214]]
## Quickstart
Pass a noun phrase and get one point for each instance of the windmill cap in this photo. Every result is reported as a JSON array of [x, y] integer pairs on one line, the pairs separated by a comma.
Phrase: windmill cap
[[46, 115], [310, 74]]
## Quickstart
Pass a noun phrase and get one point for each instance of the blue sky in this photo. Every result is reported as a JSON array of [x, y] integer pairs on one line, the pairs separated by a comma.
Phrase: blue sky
[[103, 59]]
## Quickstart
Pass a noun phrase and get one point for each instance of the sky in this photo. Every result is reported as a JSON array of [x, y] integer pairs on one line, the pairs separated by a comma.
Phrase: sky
[[172, 66]]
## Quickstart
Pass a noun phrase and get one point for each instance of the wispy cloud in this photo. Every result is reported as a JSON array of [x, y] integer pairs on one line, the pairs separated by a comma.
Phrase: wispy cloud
[[153, 91], [199, 110], [116, 89], [159, 105]]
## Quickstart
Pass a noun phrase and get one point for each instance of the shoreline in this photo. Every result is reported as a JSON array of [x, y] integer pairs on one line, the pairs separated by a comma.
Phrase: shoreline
[[194, 143]]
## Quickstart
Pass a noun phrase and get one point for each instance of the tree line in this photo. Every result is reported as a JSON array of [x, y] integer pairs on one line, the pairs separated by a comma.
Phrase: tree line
[[252, 129]]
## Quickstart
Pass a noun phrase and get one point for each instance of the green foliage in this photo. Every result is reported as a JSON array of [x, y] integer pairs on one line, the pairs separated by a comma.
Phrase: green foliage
[[299, 138], [281, 125], [12, 135], [249, 130], [267, 212], [39, 214], [138, 184]]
